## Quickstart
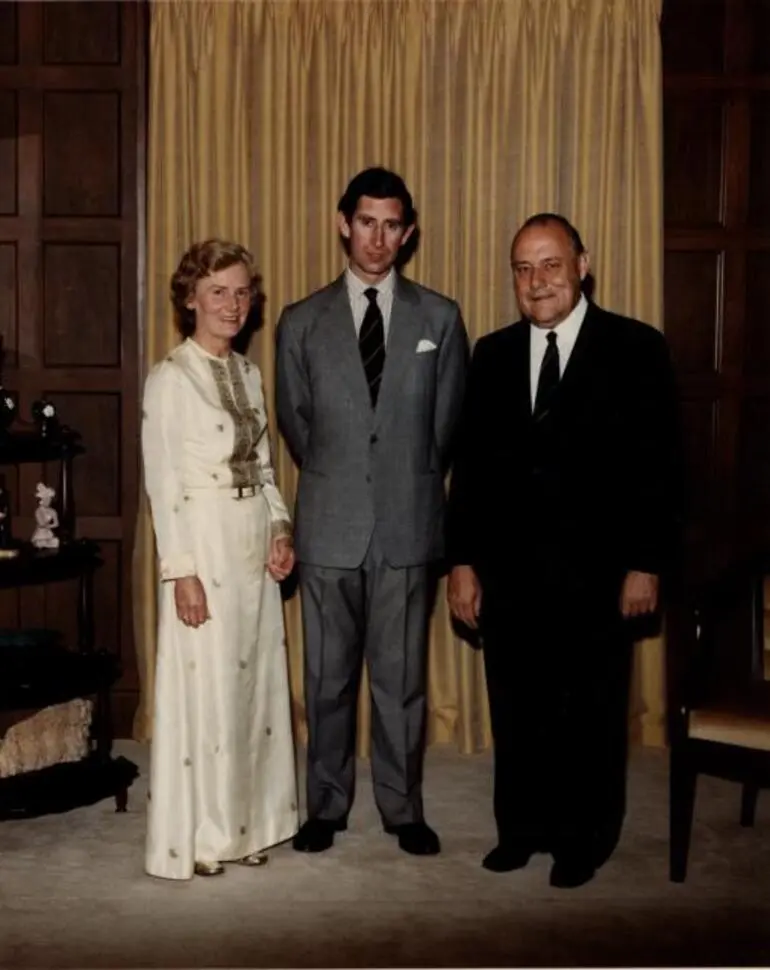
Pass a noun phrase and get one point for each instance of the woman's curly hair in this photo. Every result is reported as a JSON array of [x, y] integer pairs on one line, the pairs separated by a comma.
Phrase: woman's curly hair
[[201, 260]]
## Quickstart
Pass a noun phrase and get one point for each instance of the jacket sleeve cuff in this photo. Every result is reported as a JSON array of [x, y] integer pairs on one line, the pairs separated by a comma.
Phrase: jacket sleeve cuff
[[281, 529], [177, 567]]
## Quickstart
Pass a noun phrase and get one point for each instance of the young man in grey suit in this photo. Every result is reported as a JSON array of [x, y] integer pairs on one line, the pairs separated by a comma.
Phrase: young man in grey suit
[[369, 384]]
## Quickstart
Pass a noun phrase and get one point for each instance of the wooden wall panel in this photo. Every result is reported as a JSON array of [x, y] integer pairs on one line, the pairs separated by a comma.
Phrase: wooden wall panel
[[694, 133], [8, 140], [758, 12], [759, 172], [699, 426], [72, 102], [81, 32], [8, 32], [9, 320], [97, 472], [693, 36], [692, 281], [716, 67], [754, 466], [81, 153], [81, 315], [758, 319], [108, 601]]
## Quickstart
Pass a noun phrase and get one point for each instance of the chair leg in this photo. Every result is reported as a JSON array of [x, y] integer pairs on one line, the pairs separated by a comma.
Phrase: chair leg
[[121, 800], [682, 784], [749, 796]]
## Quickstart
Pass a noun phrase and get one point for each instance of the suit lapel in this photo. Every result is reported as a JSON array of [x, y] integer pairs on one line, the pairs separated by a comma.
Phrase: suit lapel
[[337, 321], [520, 378], [401, 345], [581, 359]]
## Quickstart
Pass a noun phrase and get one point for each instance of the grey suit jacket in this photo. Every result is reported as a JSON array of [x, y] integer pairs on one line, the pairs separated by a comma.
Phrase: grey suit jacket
[[361, 468]]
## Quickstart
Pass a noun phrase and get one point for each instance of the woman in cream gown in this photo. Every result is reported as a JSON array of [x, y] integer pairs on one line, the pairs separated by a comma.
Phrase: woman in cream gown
[[222, 774]]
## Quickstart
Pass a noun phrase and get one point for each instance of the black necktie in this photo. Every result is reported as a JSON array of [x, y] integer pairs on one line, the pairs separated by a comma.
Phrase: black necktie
[[371, 343], [549, 375]]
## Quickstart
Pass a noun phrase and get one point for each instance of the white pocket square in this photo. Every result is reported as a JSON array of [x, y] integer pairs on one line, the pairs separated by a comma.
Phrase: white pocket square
[[424, 346]]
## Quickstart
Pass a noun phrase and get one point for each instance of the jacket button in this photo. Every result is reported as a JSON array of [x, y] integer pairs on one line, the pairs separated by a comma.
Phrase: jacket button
[[369, 479], [373, 439]]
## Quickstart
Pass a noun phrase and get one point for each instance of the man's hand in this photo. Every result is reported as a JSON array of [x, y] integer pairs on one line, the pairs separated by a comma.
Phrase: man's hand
[[464, 595], [190, 599], [280, 562], [639, 594]]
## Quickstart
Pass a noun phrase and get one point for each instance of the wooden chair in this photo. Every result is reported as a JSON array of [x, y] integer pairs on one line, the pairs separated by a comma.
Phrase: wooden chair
[[720, 721]]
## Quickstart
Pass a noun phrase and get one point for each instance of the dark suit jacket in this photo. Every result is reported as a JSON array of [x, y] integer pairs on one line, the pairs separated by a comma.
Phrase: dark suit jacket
[[588, 490]]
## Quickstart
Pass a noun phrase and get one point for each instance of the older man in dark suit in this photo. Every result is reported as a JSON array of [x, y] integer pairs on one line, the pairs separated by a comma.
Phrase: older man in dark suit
[[370, 379], [563, 517]]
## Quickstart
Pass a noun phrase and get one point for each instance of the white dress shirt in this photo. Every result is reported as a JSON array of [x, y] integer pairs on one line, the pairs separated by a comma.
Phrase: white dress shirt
[[566, 334], [359, 303]]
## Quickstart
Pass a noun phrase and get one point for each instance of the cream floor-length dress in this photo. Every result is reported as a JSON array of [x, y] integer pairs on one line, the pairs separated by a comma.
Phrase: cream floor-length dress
[[222, 769]]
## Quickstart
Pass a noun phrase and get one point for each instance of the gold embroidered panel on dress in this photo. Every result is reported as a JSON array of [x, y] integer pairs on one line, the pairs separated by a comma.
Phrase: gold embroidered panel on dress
[[234, 399]]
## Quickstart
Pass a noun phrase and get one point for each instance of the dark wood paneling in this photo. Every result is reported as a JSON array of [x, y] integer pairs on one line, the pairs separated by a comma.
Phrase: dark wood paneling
[[717, 156], [693, 140], [699, 426], [8, 32], [759, 182], [81, 321], [81, 32], [81, 161], [759, 28], [692, 281], [8, 139], [97, 472], [692, 33], [8, 303], [757, 355], [68, 275], [108, 584], [754, 468]]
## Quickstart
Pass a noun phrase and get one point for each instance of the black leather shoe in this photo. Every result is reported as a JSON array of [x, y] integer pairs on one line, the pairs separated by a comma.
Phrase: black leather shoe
[[570, 873], [506, 858], [416, 838], [317, 834]]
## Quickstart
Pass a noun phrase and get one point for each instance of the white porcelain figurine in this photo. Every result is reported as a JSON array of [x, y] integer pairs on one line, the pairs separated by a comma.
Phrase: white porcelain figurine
[[47, 519]]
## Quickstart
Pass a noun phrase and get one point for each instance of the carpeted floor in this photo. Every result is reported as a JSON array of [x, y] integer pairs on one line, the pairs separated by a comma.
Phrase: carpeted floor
[[73, 893]]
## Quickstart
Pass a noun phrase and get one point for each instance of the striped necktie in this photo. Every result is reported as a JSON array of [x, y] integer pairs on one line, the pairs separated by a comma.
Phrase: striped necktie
[[371, 343]]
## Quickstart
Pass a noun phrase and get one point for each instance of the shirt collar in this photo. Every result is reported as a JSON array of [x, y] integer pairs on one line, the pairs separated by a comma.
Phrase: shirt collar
[[569, 328], [356, 287]]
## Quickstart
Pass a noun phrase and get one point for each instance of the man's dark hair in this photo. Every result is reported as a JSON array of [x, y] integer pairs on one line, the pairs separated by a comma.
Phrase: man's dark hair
[[377, 183], [548, 218]]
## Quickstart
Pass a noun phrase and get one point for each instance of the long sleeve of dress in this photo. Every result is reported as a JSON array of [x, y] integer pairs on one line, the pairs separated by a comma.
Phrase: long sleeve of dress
[[162, 451]]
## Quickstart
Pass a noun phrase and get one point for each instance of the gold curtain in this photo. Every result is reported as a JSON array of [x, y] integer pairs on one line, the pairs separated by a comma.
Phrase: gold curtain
[[261, 111]]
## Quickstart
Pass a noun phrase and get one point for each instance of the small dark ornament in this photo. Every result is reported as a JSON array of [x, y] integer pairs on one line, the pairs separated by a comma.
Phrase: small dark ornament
[[44, 416]]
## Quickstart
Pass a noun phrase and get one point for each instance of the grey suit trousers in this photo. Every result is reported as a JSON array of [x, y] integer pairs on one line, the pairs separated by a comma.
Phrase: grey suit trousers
[[378, 614]]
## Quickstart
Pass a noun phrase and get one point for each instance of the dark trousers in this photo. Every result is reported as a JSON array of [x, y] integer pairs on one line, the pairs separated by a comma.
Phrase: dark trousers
[[558, 668], [378, 614]]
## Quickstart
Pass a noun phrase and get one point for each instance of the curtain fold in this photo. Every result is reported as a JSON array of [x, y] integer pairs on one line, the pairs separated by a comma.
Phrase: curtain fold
[[262, 110]]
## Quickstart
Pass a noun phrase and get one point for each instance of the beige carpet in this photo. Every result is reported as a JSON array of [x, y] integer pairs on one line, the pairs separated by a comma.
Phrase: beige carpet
[[72, 891]]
